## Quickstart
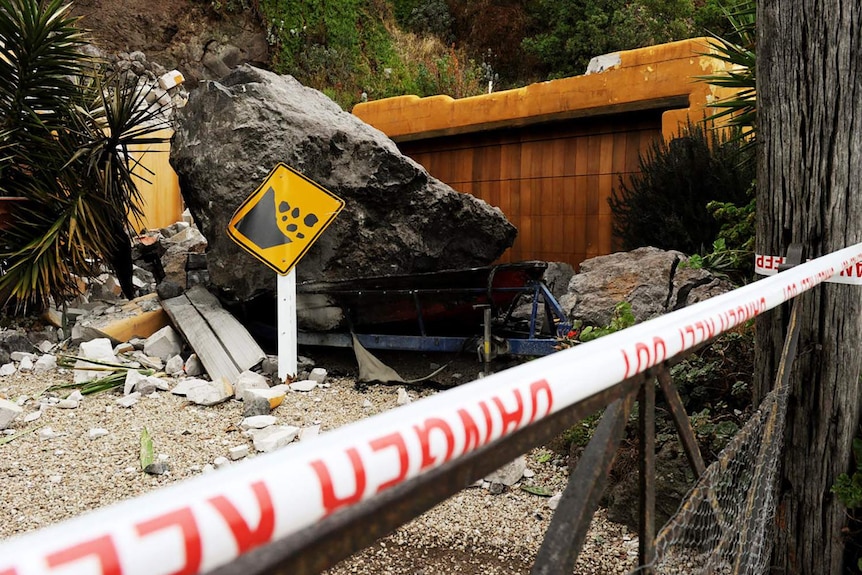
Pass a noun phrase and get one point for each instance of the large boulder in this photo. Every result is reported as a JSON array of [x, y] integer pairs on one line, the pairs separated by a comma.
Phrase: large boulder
[[653, 281], [397, 219]]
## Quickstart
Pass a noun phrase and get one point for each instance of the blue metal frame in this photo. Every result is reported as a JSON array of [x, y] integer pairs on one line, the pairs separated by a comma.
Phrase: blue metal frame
[[530, 345]]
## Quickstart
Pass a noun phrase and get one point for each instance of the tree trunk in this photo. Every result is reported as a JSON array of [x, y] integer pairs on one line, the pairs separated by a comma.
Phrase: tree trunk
[[809, 90]]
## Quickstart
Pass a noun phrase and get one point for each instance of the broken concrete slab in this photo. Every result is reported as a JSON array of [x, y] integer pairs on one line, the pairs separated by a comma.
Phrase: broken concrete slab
[[273, 437], [249, 380], [272, 395], [223, 345], [98, 350], [510, 473], [45, 363], [303, 385], [398, 219], [140, 317], [164, 343], [258, 422], [210, 392], [174, 365]]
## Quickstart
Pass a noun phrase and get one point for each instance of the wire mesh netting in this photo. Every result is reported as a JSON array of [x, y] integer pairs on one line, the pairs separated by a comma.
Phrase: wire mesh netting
[[724, 524]]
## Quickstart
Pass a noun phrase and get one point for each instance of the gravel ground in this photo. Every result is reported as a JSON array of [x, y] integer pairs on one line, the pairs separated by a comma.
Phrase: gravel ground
[[44, 481]]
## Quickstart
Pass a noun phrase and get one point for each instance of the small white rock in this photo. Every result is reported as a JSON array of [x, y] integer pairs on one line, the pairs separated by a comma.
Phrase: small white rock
[[9, 411], [67, 404], [174, 365], [238, 452], [7, 369], [47, 433], [45, 363], [275, 437], [76, 395], [33, 416], [25, 365], [554, 501], [367, 403], [193, 365], [220, 462], [403, 397], [97, 432], [258, 422], [129, 400], [303, 385], [318, 374]]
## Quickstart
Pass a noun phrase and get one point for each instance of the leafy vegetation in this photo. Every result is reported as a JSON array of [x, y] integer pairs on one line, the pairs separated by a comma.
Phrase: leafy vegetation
[[66, 131], [356, 47], [621, 319], [576, 30], [665, 205]]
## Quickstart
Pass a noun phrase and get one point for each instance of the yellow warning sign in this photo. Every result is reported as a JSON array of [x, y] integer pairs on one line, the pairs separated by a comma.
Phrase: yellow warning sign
[[283, 217]]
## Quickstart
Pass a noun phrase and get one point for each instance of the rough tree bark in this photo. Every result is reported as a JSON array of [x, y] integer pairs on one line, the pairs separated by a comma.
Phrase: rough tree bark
[[809, 89]]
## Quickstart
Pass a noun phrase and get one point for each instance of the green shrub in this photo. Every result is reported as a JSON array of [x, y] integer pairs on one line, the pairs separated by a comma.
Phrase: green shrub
[[665, 205]]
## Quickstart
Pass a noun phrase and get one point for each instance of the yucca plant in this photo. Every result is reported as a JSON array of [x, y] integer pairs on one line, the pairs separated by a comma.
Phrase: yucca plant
[[66, 130], [737, 50]]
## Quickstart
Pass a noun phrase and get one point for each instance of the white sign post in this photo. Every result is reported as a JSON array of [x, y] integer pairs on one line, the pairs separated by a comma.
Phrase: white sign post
[[277, 224], [286, 325]]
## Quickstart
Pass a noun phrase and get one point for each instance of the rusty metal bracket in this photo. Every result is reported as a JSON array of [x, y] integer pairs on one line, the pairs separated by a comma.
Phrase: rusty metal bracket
[[568, 529]]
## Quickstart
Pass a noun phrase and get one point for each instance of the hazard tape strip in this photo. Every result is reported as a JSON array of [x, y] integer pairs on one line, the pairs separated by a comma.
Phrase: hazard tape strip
[[208, 521], [768, 265]]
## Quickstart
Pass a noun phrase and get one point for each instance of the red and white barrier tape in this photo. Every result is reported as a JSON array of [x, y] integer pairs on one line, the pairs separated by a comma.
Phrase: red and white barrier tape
[[768, 265], [205, 522]]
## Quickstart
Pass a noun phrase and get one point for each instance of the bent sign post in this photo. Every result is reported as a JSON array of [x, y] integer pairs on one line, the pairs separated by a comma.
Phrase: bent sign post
[[277, 224]]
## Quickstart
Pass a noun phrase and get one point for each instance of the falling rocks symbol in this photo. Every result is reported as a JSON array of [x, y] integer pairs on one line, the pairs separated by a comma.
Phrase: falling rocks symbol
[[263, 230]]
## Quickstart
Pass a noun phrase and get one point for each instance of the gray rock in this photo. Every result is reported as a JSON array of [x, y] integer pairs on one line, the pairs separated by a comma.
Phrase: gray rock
[[168, 289], [157, 468], [554, 501], [20, 355], [255, 406], [510, 473], [164, 343], [557, 277], [8, 369], [398, 219], [12, 341], [653, 281]]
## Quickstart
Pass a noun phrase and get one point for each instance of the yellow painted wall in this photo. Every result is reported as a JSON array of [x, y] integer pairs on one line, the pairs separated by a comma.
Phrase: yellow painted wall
[[549, 155], [162, 202]]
